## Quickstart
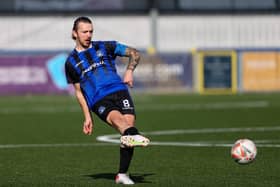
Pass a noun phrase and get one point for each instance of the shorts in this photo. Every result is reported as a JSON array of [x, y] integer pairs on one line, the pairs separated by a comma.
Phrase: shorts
[[120, 101]]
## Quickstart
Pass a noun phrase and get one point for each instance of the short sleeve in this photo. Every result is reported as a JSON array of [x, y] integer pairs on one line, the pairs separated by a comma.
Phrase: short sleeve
[[120, 49]]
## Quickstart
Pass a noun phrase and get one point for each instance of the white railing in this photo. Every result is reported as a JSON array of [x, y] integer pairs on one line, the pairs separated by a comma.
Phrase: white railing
[[174, 33]]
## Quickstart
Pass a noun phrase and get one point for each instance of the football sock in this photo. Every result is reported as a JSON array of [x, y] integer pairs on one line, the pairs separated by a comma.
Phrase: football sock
[[125, 158], [131, 131], [126, 153]]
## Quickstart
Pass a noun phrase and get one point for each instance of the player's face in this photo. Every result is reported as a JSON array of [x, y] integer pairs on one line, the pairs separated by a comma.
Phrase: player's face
[[84, 34]]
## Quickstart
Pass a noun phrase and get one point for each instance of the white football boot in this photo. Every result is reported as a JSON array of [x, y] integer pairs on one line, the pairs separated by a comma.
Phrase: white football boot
[[123, 178], [134, 140]]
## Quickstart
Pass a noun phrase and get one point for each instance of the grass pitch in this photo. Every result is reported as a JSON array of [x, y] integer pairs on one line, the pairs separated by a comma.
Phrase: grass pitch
[[42, 144]]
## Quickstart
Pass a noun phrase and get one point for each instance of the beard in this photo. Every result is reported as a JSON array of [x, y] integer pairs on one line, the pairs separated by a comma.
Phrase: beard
[[85, 44]]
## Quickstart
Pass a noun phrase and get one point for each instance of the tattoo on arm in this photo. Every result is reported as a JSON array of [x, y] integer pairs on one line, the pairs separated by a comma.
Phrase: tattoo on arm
[[134, 58]]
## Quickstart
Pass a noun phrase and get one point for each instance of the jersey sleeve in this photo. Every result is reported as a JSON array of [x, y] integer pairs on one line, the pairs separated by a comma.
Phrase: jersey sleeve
[[115, 48], [71, 75], [120, 49]]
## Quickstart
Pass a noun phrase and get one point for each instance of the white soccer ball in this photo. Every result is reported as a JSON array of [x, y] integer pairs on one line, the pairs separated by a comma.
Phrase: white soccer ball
[[244, 151]]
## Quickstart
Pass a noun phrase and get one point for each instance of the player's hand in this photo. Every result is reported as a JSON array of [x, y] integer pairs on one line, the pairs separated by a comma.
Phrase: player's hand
[[88, 126], [128, 78]]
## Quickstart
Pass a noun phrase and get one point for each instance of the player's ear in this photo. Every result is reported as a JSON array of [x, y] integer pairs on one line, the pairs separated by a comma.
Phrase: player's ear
[[74, 34]]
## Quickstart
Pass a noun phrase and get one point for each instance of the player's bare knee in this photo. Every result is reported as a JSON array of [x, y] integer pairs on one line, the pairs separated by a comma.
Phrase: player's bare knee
[[118, 121]]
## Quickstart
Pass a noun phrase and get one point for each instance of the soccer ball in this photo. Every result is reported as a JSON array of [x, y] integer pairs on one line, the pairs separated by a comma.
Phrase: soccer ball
[[244, 151]]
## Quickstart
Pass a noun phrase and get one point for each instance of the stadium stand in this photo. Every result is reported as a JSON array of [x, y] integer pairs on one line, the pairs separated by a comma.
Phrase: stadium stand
[[174, 33], [54, 32]]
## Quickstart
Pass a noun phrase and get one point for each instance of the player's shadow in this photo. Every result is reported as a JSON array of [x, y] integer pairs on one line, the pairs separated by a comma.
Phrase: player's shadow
[[137, 177]]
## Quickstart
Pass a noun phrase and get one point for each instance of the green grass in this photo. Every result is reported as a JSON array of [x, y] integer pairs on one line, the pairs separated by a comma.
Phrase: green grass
[[52, 120]]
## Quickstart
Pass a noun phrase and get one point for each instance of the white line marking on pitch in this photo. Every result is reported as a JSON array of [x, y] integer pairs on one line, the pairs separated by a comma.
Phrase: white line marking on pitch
[[113, 138]]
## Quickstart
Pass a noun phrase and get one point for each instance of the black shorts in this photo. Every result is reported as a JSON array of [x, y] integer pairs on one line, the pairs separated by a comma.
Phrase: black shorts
[[119, 100]]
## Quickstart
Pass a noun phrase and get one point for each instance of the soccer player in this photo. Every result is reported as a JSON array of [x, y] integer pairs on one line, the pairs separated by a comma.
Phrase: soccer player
[[90, 67]]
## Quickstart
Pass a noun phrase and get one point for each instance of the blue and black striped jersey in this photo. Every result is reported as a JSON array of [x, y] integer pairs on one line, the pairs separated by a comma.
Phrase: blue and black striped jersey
[[95, 70]]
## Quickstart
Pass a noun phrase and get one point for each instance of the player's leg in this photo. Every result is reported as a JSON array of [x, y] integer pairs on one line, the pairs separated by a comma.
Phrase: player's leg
[[126, 153], [125, 126], [124, 123], [117, 120], [118, 111], [133, 138]]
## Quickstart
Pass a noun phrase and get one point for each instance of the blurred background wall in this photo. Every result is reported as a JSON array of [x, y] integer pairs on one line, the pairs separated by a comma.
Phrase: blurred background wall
[[215, 46]]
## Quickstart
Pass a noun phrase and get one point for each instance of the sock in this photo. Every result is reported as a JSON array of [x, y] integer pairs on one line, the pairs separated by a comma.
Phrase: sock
[[131, 131], [126, 153], [125, 158]]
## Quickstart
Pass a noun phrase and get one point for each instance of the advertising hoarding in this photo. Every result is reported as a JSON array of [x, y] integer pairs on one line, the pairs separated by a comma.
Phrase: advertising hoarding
[[36, 73], [217, 72], [43, 73], [260, 70]]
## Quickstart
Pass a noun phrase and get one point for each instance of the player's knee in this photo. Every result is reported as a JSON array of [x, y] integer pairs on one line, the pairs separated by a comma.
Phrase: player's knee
[[118, 120]]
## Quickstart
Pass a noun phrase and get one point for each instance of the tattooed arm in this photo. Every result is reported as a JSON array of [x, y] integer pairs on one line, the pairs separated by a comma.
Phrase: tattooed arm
[[134, 58]]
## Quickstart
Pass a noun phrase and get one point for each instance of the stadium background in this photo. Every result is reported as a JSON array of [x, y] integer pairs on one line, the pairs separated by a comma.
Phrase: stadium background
[[173, 35], [209, 75]]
